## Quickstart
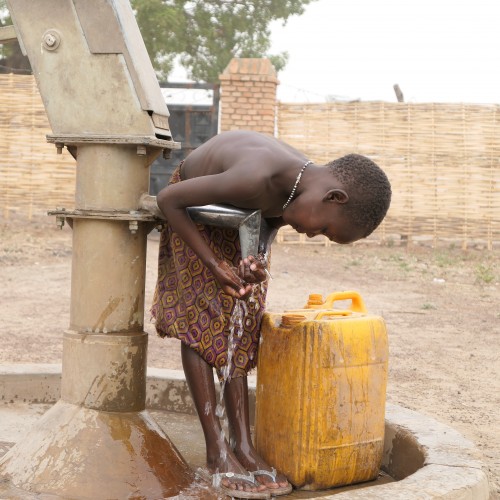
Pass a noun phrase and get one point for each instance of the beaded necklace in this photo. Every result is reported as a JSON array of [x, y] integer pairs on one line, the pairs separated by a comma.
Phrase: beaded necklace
[[297, 181]]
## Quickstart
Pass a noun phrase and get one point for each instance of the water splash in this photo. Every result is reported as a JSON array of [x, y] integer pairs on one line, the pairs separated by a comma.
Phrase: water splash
[[219, 410], [236, 330]]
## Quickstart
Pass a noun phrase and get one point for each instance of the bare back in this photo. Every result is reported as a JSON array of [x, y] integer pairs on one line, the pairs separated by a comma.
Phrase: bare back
[[235, 148], [257, 168]]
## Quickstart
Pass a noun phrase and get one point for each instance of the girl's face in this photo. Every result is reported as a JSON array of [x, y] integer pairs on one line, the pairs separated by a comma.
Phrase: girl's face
[[312, 216]]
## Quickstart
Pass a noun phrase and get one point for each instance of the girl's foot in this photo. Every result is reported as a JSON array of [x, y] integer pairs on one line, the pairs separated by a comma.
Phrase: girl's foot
[[274, 481], [226, 462]]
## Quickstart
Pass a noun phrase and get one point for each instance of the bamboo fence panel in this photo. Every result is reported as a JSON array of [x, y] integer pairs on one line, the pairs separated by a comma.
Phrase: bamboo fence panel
[[442, 160], [33, 178]]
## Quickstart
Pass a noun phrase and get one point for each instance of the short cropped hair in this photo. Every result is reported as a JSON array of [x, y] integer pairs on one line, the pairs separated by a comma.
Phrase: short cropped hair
[[368, 188]]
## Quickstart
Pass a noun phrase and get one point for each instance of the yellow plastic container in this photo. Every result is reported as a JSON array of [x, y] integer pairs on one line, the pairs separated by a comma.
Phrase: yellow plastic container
[[321, 385]]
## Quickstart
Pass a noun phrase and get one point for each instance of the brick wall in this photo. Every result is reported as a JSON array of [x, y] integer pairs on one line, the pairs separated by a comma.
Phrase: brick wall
[[248, 96]]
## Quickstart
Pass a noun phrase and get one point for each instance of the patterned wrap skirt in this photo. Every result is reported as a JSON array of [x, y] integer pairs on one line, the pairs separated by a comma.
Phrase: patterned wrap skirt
[[190, 305]]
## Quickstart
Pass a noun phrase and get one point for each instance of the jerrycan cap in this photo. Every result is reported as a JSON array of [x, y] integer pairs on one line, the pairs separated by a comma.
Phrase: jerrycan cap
[[290, 320], [315, 299]]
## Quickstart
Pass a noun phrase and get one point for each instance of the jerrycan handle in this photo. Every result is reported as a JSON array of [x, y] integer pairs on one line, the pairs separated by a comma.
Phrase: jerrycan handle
[[357, 303], [322, 314]]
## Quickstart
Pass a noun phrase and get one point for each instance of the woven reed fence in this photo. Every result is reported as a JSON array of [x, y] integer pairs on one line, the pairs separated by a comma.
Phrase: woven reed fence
[[443, 161], [33, 178]]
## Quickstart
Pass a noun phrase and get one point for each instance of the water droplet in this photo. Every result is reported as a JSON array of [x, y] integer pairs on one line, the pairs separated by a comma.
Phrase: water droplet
[[219, 410]]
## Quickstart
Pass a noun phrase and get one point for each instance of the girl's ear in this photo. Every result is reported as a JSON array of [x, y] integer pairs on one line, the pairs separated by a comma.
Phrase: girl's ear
[[336, 195]]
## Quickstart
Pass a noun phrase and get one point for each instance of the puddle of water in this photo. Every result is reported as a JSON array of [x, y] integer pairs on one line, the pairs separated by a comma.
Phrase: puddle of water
[[186, 433], [184, 430]]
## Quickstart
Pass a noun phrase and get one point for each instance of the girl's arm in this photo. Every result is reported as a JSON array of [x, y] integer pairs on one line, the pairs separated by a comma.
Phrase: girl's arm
[[220, 188]]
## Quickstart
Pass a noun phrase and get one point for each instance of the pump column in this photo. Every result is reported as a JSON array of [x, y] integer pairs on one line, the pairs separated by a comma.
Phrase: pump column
[[104, 355]]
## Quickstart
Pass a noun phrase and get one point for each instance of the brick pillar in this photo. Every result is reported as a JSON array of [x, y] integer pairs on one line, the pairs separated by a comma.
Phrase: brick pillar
[[248, 95]]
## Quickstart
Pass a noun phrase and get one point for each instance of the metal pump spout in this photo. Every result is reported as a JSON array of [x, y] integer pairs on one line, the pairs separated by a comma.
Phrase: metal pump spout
[[248, 222]]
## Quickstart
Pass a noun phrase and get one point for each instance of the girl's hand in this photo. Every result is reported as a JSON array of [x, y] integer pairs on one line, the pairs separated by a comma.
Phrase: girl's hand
[[230, 282], [252, 270]]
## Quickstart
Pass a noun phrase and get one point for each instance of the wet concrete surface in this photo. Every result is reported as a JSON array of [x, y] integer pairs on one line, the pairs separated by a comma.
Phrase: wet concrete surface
[[184, 431]]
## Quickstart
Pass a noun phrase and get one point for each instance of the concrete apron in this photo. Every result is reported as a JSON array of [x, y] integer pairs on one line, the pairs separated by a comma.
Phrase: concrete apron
[[426, 459]]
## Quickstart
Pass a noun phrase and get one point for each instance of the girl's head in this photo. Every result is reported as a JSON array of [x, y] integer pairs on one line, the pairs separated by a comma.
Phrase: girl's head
[[345, 201], [368, 188]]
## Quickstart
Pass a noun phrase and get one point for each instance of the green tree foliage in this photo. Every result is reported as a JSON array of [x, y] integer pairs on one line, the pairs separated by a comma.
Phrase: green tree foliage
[[203, 34], [11, 57], [207, 34]]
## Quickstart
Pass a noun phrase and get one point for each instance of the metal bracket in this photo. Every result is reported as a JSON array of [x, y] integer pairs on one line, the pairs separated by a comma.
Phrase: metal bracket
[[141, 141], [133, 217], [246, 221]]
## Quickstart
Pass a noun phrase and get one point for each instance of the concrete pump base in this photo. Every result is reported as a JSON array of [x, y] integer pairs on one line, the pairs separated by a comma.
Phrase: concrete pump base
[[424, 458]]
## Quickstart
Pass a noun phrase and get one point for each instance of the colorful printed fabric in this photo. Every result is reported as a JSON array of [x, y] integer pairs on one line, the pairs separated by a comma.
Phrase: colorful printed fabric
[[190, 305]]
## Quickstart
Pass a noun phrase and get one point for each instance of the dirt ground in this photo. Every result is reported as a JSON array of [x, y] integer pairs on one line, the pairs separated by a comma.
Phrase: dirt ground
[[441, 306]]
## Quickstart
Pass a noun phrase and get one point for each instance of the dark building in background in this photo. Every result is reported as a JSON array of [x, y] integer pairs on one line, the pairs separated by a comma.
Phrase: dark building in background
[[194, 118]]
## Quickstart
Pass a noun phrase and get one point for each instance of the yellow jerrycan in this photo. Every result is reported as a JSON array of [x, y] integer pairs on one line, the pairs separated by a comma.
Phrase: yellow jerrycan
[[321, 386]]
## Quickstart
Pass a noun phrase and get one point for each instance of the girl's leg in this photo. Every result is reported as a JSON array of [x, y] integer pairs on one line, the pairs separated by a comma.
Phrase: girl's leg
[[220, 458], [238, 415]]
